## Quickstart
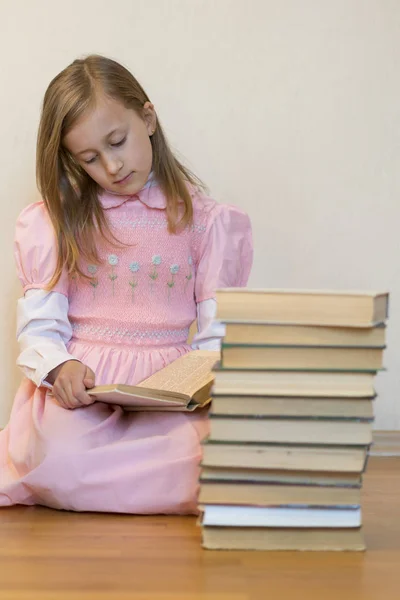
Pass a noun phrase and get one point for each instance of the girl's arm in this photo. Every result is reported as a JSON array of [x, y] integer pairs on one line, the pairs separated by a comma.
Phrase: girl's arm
[[209, 332], [43, 325], [224, 260], [43, 330]]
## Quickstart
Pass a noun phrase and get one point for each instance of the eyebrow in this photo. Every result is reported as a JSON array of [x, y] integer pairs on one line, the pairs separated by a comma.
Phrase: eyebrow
[[105, 138]]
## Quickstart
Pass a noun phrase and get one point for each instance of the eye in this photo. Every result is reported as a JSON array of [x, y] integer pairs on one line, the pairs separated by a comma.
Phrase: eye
[[90, 161], [120, 143]]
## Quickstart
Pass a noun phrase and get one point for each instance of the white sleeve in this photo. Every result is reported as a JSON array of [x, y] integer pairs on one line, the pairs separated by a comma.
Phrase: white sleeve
[[210, 332], [43, 330]]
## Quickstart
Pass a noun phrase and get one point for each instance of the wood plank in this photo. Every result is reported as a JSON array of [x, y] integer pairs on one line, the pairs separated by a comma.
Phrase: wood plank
[[50, 555]]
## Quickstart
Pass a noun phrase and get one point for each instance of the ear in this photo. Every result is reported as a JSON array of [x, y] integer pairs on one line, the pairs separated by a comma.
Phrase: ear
[[150, 117]]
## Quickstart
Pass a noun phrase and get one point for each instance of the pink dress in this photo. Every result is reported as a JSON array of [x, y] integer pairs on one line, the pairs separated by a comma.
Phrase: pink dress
[[129, 319]]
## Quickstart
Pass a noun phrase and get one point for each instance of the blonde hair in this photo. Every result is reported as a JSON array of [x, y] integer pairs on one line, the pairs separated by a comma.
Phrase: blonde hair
[[70, 195]]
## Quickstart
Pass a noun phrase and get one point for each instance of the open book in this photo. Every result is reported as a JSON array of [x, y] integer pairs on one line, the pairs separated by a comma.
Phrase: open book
[[184, 385]]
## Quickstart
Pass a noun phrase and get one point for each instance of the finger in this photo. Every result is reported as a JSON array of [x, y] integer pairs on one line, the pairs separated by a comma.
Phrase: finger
[[60, 396], [81, 396], [70, 398], [78, 391], [89, 378]]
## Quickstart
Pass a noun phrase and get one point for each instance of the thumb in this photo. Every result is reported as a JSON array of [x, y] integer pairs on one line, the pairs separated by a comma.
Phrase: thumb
[[89, 378]]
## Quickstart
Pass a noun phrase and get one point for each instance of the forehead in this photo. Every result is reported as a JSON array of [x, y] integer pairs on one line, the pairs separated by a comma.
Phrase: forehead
[[96, 123]]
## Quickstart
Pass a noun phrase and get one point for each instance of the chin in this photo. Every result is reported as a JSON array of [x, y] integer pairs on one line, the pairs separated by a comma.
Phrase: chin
[[131, 189]]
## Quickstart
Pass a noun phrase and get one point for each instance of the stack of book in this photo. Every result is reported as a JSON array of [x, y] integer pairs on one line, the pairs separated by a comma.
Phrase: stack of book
[[291, 419]]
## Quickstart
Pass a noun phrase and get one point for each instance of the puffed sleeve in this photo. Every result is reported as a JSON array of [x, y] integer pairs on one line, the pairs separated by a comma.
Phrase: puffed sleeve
[[226, 252], [35, 250]]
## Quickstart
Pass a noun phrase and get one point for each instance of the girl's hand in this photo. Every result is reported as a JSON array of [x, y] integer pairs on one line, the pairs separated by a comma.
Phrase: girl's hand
[[70, 382]]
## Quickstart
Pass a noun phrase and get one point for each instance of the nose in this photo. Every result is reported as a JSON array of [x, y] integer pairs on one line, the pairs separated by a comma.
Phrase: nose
[[113, 164]]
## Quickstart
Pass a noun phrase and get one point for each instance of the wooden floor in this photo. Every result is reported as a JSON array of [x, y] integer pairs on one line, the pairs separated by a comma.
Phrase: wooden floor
[[48, 555]]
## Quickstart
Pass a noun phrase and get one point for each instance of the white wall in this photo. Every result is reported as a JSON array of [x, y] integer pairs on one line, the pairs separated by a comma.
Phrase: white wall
[[287, 108]]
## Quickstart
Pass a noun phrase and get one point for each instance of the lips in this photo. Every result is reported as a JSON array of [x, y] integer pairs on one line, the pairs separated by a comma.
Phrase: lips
[[124, 179]]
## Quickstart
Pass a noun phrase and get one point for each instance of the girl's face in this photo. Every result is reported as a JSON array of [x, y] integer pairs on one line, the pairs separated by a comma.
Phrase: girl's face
[[112, 144]]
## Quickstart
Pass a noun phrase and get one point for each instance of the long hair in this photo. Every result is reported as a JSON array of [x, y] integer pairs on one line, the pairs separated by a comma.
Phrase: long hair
[[70, 195]]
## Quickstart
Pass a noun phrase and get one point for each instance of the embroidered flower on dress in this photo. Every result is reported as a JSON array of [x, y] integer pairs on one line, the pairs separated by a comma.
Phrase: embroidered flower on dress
[[113, 261], [156, 261], [94, 282], [189, 276], [134, 267], [174, 269]]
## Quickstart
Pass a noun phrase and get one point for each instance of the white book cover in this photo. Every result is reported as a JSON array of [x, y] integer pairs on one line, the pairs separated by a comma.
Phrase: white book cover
[[253, 516]]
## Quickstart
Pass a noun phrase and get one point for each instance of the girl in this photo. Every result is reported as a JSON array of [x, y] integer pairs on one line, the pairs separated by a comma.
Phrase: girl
[[119, 259]]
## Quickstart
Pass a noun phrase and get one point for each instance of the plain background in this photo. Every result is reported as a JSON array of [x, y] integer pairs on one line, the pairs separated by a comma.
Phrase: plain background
[[287, 108]]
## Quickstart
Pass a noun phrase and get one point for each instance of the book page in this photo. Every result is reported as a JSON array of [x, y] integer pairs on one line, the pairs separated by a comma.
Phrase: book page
[[131, 400], [186, 375]]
